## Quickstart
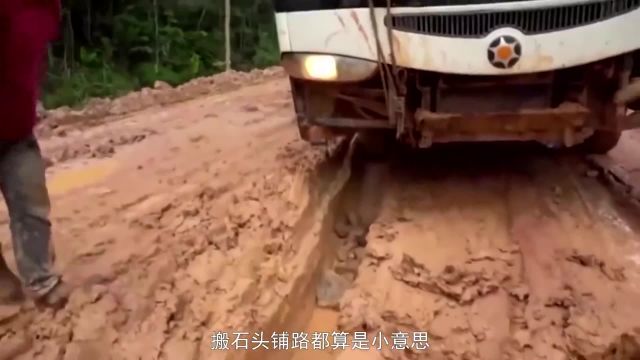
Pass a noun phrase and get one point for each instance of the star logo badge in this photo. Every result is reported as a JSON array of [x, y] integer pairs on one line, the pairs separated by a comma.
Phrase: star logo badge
[[504, 52]]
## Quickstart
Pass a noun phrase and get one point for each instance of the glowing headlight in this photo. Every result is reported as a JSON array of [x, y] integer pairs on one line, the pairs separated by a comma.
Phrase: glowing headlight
[[327, 67], [321, 67]]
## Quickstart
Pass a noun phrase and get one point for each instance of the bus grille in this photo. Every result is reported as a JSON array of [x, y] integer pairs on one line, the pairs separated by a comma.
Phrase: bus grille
[[529, 21]]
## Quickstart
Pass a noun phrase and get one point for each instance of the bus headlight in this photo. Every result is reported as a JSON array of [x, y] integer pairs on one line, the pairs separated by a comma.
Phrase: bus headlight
[[321, 67]]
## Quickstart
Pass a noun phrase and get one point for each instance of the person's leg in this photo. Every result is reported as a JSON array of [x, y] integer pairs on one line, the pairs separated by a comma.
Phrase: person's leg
[[10, 287], [23, 184]]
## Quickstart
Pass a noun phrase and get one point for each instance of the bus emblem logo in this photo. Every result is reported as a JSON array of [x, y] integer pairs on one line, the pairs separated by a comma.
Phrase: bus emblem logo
[[504, 52]]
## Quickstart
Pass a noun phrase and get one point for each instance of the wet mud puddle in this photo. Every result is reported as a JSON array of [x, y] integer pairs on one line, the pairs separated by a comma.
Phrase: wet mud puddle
[[323, 321], [73, 178]]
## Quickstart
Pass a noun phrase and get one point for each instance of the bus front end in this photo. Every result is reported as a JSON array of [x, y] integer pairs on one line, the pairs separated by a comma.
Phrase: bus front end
[[435, 71]]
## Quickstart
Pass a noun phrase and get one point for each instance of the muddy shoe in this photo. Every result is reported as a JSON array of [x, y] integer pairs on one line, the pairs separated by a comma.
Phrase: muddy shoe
[[56, 298]]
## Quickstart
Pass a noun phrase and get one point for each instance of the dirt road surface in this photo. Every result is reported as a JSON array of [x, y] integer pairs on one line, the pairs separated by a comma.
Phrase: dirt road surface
[[202, 214]]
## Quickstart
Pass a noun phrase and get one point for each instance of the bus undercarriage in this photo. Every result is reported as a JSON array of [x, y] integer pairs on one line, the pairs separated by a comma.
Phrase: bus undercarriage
[[559, 108]]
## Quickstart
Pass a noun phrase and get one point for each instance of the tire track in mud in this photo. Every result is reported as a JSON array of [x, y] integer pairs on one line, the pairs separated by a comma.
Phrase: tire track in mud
[[496, 255]]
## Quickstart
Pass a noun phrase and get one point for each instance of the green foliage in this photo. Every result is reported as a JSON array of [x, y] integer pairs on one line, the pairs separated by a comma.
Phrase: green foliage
[[115, 46], [266, 51]]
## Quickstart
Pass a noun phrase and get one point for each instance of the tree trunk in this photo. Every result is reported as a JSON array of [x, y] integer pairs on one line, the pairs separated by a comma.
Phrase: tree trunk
[[227, 34], [157, 31]]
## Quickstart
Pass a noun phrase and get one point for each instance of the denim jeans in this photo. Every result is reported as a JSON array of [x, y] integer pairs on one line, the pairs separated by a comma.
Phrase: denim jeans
[[23, 185]]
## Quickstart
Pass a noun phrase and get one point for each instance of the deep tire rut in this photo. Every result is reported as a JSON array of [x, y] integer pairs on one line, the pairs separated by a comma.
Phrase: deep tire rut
[[495, 259]]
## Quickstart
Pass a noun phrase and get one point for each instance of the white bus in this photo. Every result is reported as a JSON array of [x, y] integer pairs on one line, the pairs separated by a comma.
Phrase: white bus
[[434, 71]]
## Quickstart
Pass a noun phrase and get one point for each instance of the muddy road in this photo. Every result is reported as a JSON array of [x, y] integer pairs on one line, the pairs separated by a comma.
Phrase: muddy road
[[498, 253], [194, 218]]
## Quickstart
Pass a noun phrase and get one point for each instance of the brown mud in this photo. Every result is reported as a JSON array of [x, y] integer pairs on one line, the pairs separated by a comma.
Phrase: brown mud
[[207, 214], [499, 253]]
